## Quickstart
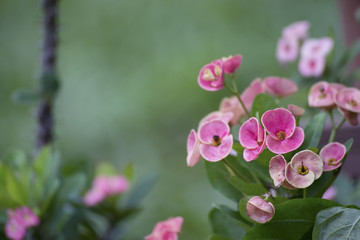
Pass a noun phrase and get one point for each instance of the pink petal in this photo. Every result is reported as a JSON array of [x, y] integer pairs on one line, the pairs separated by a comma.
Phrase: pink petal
[[321, 95], [230, 64], [330, 193], [279, 86], [249, 94], [208, 130], [93, 197], [260, 210], [15, 230], [251, 133], [297, 180], [352, 117], [193, 149], [312, 66], [297, 30], [277, 167], [317, 47], [211, 76], [308, 159], [216, 153], [233, 105], [27, 216], [166, 230], [335, 151], [296, 110], [279, 119], [101, 184], [118, 184], [349, 99], [286, 145], [287, 49], [252, 154], [218, 115]]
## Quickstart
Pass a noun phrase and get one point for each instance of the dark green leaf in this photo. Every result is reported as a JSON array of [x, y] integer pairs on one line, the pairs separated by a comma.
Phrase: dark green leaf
[[247, 188], [313, 131], [257, 168], [337, 223], [262, 103], [293, 220], [139, 191], [15, 189], [219, 237]]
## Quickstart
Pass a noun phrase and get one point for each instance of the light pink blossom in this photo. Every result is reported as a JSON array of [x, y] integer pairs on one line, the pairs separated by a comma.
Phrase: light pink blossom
[[232, 104], [322, 95], [277, 166], [93, 197], [193, 149], [348, 102], [330, 193], [280, 87], [118, 184], [215, 140], [296, 110], [225, 116], [14, 229], [287, 49], [249, 94], [27, 216], [283, 136], [231, 63], [252, 138], [312, 66], [260, 210], [211, 76], [303, 169], [331, 155], [166, 230], [18, 221], [297, 30]]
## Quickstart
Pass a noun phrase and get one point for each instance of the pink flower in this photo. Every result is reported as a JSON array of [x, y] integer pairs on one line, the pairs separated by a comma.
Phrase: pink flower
[[252, 138], [215, 140], [193, 149], [296, 110], [225, 116], [277, 166], [260, 210], [29, 219], [14, 229], [18, 221], [281, 87], [211, 76], [303, 169], [104, 186], [233, 105], [249, 94], [166, 230], [322, 95], [313, 54], [287, 49], [331, 155], [348, 101], [297, 30], [283, 136], [231, 63], [330, 193]]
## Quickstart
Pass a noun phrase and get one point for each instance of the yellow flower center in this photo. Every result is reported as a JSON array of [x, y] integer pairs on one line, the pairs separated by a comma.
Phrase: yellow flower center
[[332, 161], [281, 135], [217, 140], [353, 103], [208, 75], [322, 93], [217, 71], [303, 170]]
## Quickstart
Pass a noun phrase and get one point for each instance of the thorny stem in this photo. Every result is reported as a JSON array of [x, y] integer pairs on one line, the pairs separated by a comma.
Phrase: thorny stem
[[45, 118], [235, 92]]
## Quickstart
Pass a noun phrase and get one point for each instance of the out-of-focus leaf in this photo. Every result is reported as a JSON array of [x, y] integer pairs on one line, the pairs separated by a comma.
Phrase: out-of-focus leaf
[[337, 223], [219, 237], [139, 191], [5, 199], [313, 131], [247, 188], [293, 219], [235, 132], [225, 225], [105, 168], [15, 189], [26, 96], [262, 103], [128, 171]]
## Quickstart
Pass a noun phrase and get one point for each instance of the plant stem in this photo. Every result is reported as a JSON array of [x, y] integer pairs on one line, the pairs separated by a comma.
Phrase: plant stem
[[45, 118], [304, 192], [335, 129], [235, 92]]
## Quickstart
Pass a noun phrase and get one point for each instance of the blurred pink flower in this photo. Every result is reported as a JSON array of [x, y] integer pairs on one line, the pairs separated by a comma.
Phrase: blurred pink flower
[[260, 210], [225, 116], [193, 149], [215, 140], [287, 50], [118, 184], [280, 87], [249, 94], [14, 229], [18, 221], [94, 196], [322, 95], [348, 102], [252, 138], [303, 169], [231, 63], [283, 136], [330, 193], [211, 76], [27, 216], [166, 230], [297, 30], [296, 110], [232, 104], [312, 66], [331, 155]]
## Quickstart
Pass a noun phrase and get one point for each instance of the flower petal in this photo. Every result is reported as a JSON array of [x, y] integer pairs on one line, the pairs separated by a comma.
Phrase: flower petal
[[260, 210], [335, 151], [277, 167], [208, 130], [279, 86], [286, 145], [310, 160], [279, 119], [297, 180], [216, 153], [249, 133]]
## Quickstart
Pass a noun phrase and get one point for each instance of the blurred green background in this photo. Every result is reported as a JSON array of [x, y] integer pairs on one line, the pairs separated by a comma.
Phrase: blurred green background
[[129, 83]]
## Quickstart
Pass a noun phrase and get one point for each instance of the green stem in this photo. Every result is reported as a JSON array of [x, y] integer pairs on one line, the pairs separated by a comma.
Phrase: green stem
[[304, 192], [235, 92], [335, 129]]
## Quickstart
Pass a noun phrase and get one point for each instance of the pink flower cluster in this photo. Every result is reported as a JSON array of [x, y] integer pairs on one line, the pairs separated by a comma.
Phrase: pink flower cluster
[[305, 166], [166, 230], [313, 51], [18, 221], [283, 134], [104, 186], [330, 95], [259, 209]]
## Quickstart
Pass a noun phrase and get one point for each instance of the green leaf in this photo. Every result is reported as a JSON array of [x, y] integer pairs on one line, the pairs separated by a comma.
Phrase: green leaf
[[219, 178], [219, 237], [6, 200], [262, 103], [15, 189], [313, 131], [235, 132], [227, 225], [25, 96], [139, 191], [247, 188], [337, 223], [293, 220], [128, 171], [260, 170], [105, 168]]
